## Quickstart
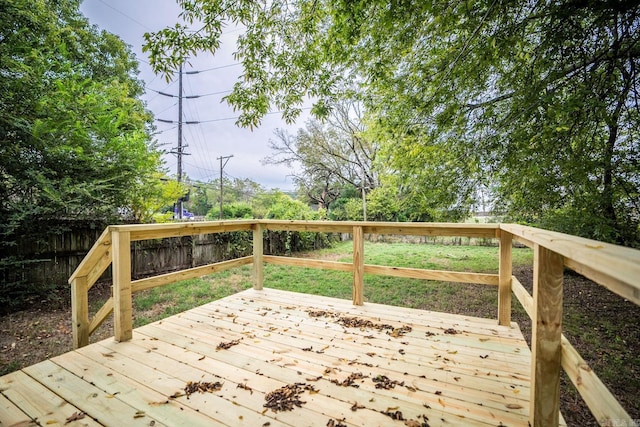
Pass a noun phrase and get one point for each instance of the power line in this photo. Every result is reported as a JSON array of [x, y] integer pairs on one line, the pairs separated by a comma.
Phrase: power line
[[170, 95], [196, 131], [125, 15], [213, 68]]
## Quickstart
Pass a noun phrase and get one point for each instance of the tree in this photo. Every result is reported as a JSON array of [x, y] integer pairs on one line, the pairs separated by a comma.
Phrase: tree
[[539, 100], [329, 154], [75, 140]]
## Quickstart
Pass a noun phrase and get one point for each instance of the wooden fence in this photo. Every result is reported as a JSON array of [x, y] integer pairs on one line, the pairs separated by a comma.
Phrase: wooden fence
[[48, 264], [616, 268]]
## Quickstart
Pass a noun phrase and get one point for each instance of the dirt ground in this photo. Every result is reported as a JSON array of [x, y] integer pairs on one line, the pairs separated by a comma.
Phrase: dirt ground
[[604, 328]]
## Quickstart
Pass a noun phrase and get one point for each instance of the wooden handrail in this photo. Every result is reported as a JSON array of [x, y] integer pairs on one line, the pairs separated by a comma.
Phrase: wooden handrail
[[613, 267]]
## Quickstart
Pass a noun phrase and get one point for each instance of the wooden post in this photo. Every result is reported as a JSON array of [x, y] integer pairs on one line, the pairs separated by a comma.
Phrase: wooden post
[[358, 265], [80, 311], [258, 253], [546, 348], [122, 303], [504, 283]]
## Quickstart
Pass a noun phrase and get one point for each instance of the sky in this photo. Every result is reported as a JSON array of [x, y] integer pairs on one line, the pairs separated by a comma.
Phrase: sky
[[217, 135]]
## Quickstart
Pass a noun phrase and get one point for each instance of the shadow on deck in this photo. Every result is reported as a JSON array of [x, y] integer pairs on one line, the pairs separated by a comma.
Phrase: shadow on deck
[[352, 365]]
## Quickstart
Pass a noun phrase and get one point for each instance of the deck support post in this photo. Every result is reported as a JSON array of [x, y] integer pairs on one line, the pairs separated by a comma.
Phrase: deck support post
[[80, 311], [122, 300], [504, 281], [546, 348], [358, 265], [258, 260]]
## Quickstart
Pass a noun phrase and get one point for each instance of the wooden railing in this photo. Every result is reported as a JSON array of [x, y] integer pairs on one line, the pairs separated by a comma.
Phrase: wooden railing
[[614, 267]]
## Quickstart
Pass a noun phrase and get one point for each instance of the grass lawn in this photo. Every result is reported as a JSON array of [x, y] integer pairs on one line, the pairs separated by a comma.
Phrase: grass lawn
[[481, 300]]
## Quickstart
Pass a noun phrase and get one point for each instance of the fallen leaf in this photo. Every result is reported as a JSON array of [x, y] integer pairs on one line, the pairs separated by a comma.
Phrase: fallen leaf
[[75, 417], [357, 406]]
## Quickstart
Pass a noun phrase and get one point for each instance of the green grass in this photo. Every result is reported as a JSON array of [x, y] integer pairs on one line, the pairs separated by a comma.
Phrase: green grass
[[480, 300]]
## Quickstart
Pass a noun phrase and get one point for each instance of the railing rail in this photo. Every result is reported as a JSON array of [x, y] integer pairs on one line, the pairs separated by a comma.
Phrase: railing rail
[[614, 267]]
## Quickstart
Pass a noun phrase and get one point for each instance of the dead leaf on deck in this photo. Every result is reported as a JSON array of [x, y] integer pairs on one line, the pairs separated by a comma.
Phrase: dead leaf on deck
[[245, 387], [75, 417], [227, 345], [287, 397], [357, 406], [202, 387], [383, 382], [395, 415]]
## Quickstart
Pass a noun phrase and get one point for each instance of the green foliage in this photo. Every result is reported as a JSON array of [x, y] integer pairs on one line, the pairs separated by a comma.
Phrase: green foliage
[[535, 100], [75, 139], [383, 204], [237, 210], [200, 204], [353, 210], [160, 193], [284, 207]]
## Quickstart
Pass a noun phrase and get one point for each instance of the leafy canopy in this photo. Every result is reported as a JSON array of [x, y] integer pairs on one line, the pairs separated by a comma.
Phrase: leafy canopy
[[536, 100], [75, 139]]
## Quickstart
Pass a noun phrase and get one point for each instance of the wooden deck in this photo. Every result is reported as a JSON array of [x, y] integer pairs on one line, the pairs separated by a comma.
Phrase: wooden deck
[[401, 365]]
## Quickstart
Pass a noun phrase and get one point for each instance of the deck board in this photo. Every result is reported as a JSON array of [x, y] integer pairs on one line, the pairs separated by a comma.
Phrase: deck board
[[476, 377]]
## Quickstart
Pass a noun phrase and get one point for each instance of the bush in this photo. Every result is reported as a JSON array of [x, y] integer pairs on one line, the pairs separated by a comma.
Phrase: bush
[[237, 210], [284, 207]]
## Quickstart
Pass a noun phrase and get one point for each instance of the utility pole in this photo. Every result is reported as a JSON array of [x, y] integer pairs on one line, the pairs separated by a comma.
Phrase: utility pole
[[364, 196], [180, 138], [226, 159]]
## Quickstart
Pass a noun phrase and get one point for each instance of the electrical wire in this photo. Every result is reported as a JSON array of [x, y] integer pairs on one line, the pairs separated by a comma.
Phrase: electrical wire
[[125, 15]]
